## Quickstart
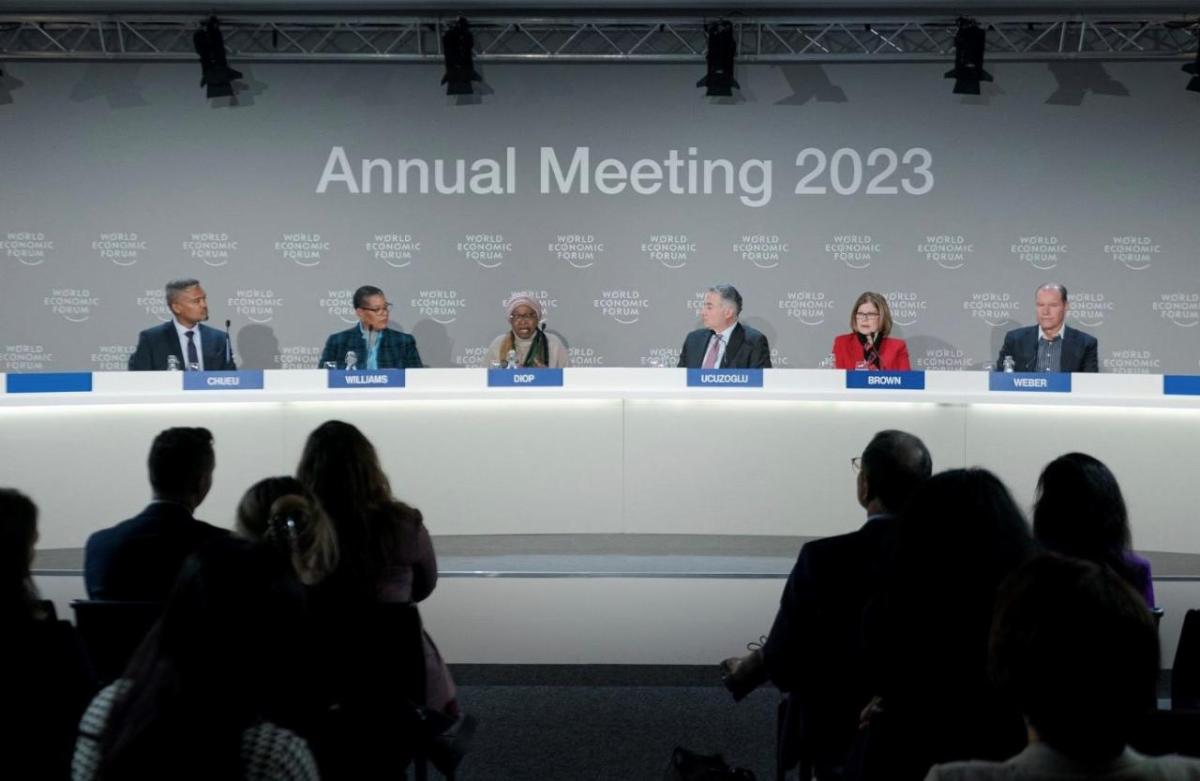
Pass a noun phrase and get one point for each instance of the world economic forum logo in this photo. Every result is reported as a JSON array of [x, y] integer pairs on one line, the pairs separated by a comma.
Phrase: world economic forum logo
[[580, 250], [1135, 253], [395, 249], [257, 306], [74, 305], [30, 248], [765, 251], [672, 250], [1182, 309], [995, 309], [1089, 309], [340, 304], [622, 306], [303, 249], [440, 306], [807, 306], [121, 248], [489, 250], [949, 251], [211, 248]]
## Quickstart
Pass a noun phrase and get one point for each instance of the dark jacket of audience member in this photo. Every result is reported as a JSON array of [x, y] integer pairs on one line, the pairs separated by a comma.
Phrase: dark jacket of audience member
[[138, 559], [1080, 512], [217, 690], [49, 681], [1075, 649], [960, 537]]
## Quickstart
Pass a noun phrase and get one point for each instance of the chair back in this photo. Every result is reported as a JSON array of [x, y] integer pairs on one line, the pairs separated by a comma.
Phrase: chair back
[[1185, 673], [111, 632]]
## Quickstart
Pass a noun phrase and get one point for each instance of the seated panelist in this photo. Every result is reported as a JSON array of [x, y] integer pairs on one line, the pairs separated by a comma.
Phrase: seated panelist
[[723, 342], [1050, 346], [527, 340], [184, 342], [370, 344], [868, 345]]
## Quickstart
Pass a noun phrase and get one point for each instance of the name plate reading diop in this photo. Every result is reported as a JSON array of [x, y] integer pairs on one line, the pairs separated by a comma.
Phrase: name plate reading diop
[[245, 379], [1030, 382], [1179, 385], [869, 380], [525, 378], [367, 378], [724, 378], [49, 382]]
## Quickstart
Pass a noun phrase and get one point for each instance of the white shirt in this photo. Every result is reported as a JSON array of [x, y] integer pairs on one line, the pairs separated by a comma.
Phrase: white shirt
[[723, 343], [183, 343], [1062, 332]]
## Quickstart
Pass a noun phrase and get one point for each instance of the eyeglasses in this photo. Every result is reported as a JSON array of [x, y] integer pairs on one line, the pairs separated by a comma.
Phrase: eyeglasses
[[519, 316], [377, 309], [866, 315], [856, 463]]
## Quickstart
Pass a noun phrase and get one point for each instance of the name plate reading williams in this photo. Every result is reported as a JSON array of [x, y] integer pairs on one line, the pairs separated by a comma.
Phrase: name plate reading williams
[[367, 378], [246, 379], [724, 378], [525, 378], [1030, 382], [49, 382], [1173, 385], [889, 380]]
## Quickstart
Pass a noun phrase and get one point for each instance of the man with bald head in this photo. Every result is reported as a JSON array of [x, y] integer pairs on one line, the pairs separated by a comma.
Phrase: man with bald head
[[1050, 346]]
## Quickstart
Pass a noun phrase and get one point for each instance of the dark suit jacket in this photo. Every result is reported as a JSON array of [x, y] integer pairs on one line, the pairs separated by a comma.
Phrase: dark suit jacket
[[155, 344], [747, 349], [397, 350], [815, 649], [138, 559], [1079, 350]]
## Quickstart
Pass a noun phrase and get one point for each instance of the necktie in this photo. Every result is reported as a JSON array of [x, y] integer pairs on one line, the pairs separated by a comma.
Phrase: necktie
[[710, 357], [192, 357]]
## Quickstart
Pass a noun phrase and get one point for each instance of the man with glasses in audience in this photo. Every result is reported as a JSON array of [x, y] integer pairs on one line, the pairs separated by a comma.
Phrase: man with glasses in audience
[[370, 344]]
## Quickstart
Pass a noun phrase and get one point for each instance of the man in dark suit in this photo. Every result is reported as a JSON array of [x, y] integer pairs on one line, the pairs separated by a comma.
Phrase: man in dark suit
[[723, 342], [1050, 346], [138, 559], [375, 346], [815, 651], [186, 338]]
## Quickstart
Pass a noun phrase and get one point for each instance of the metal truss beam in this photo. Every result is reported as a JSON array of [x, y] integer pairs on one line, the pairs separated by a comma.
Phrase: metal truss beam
[[499, 39]]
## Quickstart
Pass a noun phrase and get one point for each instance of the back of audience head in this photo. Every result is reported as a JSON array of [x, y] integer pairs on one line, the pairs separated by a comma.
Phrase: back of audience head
[[1080, 511], [227, 653], [181, 464], [18, 535], [1076, 650], [893, 464], [280, 512]]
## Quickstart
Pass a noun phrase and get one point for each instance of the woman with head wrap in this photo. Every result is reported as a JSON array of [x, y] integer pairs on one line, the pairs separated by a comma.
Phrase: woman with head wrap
[[527, 341]]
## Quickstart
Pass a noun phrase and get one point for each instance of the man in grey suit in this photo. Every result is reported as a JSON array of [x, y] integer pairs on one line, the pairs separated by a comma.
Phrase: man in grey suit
[[1050, 346], [723, 342], [185, 338]]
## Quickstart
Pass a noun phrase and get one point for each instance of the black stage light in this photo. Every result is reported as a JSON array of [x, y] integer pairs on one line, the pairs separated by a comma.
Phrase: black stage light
[[458, 47], [1194, 69], [722, 49], [969, 43], [215, 72]]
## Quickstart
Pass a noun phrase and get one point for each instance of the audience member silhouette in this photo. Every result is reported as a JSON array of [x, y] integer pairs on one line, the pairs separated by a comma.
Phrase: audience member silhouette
[[1080, 512], [280, 512], [814, 650], [217, 689], [139, 559], [1076, 649], [960, 536], [49, 681]]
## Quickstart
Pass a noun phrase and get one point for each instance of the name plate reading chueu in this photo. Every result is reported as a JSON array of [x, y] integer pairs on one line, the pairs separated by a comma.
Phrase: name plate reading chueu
[[246, 379], [525, 378], [367, 378], [49, 382], [1030, 382], [890, 380], [724, 378], [1175, 385]]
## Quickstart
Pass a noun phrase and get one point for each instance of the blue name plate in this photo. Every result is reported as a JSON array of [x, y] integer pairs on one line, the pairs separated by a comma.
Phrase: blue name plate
[[1030, 382], [1175, 385], [49, 382], [724, 378], [369, 378], [246, 379], [525, 378], [892, 380]]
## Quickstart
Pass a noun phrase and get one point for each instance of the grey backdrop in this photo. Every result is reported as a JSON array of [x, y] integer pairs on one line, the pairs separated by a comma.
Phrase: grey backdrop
[[115, 177]]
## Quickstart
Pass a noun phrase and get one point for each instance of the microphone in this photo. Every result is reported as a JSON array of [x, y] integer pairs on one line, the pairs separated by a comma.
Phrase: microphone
[[512, 360], [228, 345]]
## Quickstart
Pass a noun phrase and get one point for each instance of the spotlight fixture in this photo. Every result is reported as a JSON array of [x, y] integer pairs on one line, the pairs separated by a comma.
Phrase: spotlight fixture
[[215, 72], [722, 49], [458, 47], [969, 43], [1194, 69]]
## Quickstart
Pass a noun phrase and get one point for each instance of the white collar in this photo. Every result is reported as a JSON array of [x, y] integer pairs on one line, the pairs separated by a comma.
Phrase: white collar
[[1062, 332]]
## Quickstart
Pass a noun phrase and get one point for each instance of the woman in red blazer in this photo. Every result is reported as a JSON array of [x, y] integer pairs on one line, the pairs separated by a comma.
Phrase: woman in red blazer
[[869, 346]]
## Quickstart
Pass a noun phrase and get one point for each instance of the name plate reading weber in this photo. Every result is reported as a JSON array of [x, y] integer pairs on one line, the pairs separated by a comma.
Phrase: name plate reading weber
[[724, 378], [246, 379], [890, 380], [525, 378], [49, 382], [1030, 382], [1178, 385], [368, 378]]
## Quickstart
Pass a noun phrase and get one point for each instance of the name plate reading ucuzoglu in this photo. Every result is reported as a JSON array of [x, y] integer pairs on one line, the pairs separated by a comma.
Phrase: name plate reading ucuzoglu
[[246, 379], [49, 382], [889, 380], [1178, 385], [724, 378], [1030, 382], [367, 378], [525, 378]]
